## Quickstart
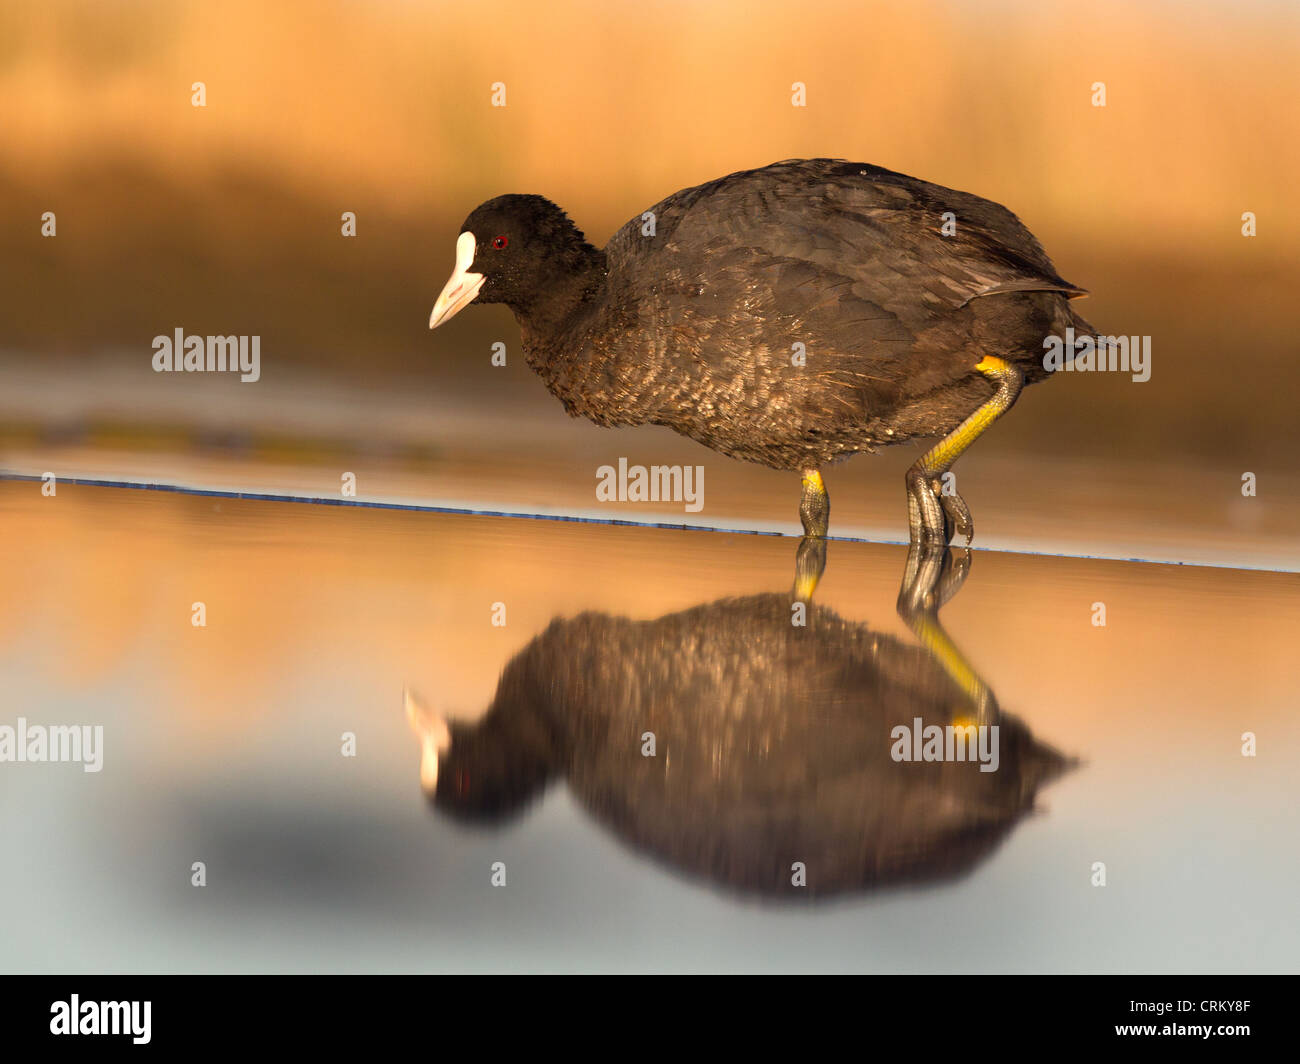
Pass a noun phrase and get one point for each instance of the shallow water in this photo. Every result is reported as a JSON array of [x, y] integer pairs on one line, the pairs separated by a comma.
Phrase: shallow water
[[222, 744], [298, 433]]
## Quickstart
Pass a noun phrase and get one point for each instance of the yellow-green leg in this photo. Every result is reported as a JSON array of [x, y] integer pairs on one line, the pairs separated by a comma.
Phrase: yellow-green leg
[[932, 516], [815, 513], [815, 506], [933, 575]]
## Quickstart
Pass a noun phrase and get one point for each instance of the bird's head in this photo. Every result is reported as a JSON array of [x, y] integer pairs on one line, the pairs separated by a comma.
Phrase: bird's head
[[515, 250]]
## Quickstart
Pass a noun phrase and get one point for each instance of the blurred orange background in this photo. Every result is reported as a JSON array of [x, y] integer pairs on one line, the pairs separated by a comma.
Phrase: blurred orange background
[[226, 218]]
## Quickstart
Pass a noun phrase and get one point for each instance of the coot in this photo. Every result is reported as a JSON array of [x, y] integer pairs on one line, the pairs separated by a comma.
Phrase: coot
[[792, 315]]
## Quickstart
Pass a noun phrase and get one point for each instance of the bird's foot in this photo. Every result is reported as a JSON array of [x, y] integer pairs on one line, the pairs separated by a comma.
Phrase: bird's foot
[[926, 518], [957, 518], [933, 516]]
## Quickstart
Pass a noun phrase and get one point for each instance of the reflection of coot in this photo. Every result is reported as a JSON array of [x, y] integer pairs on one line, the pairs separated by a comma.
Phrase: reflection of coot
[[772, 741]]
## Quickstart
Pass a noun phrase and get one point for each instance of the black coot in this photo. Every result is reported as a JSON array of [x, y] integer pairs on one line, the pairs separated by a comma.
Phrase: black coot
[[921, 312]]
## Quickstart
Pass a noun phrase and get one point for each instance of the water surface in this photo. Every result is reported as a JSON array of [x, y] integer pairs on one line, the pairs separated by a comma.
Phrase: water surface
[[222, 745]]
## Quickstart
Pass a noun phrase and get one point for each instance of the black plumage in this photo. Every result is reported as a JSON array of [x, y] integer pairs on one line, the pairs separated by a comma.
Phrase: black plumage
[[773, 745], [694, 327]]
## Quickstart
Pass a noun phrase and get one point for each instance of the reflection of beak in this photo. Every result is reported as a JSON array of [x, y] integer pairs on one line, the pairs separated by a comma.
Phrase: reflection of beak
[[463, 286], [435, 737]]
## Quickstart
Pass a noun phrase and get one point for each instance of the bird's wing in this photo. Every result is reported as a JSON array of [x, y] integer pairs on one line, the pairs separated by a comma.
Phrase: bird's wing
[[913, 248], [857, 263]]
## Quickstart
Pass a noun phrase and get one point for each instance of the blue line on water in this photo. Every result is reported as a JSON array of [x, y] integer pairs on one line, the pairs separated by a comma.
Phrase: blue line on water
[[413, 507], [458, 511]]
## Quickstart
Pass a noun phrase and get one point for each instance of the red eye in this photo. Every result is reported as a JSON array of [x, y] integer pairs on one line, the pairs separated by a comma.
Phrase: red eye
[[499, 242]]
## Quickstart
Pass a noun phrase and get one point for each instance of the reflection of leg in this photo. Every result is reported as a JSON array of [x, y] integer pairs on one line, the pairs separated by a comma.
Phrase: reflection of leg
[[930, 580], [809, 564], [932, 516], [815, 513]]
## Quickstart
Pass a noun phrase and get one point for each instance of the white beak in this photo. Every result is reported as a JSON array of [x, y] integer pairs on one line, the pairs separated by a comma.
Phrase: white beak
[[462, 287], [434, 735]]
